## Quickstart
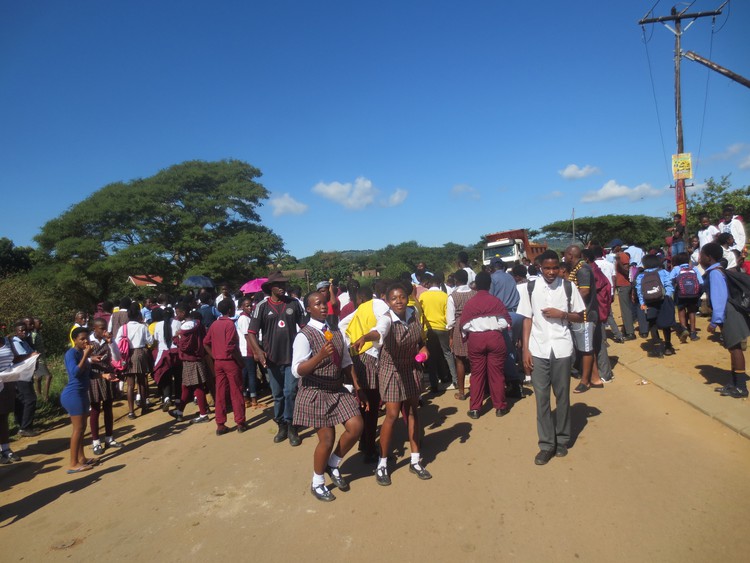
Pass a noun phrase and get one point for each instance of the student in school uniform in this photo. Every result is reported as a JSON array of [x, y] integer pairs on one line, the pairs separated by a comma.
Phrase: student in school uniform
[[363, 330], [139, 365], [222, 345], [456, 302], [249, 380], [25, 407], [167, 368], [400, 379], [547, 308], [434, 303], [733, 323], [102, 380], [318, 357], [189, 340]]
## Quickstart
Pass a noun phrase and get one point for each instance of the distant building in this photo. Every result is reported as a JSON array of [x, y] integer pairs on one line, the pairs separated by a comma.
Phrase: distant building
[[144, 280]]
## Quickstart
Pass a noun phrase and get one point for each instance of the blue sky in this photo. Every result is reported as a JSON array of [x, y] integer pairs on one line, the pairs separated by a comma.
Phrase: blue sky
[[373, 122]]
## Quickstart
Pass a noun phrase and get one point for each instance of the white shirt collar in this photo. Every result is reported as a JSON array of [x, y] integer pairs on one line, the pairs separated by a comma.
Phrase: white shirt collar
[[317, 324], [395, 318]]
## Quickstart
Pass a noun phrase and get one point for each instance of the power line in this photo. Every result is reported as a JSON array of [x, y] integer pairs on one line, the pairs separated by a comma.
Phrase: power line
[[705, 98], [656, 106]]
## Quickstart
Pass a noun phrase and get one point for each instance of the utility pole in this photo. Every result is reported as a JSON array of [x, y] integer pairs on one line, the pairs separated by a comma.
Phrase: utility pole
[[677, 17]]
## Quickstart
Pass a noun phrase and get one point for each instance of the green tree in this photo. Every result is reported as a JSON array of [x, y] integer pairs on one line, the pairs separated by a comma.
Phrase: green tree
[[630, 228], [192, 218], [713, 197], [13, 258], [325, 265]]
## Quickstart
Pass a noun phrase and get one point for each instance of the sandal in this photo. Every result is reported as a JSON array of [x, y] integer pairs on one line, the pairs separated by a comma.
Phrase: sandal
[[79, 469], [460, 396], [581, 388]]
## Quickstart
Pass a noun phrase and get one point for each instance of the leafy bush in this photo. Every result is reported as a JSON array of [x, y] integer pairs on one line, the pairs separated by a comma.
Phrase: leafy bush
[[21, 297]]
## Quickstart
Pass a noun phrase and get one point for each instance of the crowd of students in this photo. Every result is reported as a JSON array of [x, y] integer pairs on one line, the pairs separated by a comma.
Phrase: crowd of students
[[344, 355]]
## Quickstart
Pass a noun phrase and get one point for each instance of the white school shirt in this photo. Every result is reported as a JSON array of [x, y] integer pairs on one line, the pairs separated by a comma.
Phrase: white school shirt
[[380, 309], [138, 335], [608, 269], [471, 273], [164, 346], [301, 350], [549, 335], [737, 229], [707, 235], [243, 325]]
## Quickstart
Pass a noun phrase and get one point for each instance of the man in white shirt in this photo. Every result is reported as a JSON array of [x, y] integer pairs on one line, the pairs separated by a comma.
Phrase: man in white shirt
[[547, 306]]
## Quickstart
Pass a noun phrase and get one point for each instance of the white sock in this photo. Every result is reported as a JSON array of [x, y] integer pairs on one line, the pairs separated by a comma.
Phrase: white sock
[[382, 462], [415, 458], [96, 442], [334, 461], [318, 480], [137, 396]]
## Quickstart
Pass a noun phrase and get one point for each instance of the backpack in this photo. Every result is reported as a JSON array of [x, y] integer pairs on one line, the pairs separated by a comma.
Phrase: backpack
[[566, 284], [688, 285], [652, 288], [603, 293], [124, 346], [738, 287]]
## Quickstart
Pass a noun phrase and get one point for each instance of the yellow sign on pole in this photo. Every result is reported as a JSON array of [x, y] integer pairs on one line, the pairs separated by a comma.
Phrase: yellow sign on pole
[[682, 166]]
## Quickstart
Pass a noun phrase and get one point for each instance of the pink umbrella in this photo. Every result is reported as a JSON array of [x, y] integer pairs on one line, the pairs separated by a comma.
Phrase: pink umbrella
[[253, 286]]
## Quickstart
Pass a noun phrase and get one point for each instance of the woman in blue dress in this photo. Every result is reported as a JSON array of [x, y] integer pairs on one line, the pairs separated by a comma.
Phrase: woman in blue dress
[[75, 396]]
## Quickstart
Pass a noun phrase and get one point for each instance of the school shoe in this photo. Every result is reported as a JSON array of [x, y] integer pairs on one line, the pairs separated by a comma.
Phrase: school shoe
[[694, 336], [242, 427], [382, 477], [561, 451], [683, 336], [629, 337], [669, 351], [282, 433], [338, 480], [98, 449], [200, 419], [473, 414], [544, 456], [515, 390], [176, 415], [221, 430], [28, 433], [8, 456], [502, 412], [131, 415], [166, 403], [619, 339], [724, 388], [735, 392], [420, 471], [321, 492], [294, 439], [113, 444]]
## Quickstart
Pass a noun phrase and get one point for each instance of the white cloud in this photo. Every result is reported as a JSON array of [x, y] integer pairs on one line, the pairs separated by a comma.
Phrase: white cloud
[[287, 205], [745, 163], [553, 195], [465, 190], [358, 195], [397, 198], [732, 150], [613, 190], [573, 172]]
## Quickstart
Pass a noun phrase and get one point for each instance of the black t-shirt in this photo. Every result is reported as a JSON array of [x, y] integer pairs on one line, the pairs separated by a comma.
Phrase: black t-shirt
[[584, 278], [278, 323]]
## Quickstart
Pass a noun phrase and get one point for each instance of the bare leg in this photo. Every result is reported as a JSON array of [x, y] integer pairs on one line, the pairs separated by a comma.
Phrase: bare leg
[[411, 407], [130, 379], [77, 459], [326, 438], [386, 430], [47, 383], [461, 375], [352, 431], [587, 367]]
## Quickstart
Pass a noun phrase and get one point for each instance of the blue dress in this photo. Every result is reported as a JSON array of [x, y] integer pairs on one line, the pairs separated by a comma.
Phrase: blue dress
[[75, 396]]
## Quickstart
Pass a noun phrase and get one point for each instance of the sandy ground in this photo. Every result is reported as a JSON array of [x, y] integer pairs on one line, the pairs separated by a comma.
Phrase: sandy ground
[[648, 478]]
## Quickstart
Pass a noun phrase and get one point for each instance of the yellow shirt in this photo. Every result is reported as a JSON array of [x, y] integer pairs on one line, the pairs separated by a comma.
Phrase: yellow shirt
[[362, 323], [434, 309]]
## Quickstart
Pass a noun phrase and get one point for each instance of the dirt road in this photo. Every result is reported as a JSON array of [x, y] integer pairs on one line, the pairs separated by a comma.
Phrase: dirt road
[[648, 478]]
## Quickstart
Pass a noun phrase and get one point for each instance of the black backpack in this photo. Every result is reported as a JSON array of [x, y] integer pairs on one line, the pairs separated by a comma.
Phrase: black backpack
[[652, 288], [738, 286]]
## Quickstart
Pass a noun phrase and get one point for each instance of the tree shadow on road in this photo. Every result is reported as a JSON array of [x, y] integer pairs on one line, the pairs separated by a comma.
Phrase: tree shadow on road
[[714, 375], [579, 418], [22, 508]]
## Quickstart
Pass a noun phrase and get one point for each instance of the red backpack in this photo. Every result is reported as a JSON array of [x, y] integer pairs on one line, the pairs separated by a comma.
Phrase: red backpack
[[603, 292]]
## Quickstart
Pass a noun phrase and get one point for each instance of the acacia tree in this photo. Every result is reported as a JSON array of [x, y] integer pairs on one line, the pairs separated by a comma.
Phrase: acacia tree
[[630, 228], [192, 218]]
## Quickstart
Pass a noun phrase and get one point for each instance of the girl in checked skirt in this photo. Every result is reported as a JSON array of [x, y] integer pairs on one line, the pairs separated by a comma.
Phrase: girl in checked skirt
[[400, 379], [319, 358]]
